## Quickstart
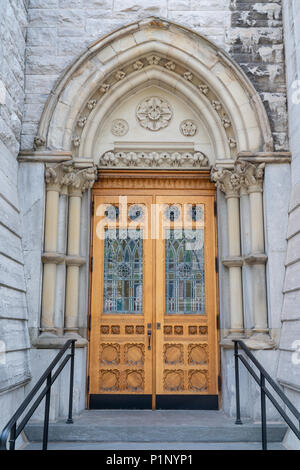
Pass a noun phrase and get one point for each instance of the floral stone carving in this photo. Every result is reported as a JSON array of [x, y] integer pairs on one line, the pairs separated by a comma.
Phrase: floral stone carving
[[154, 160], [188, 128], [154, 113], [119, 127]]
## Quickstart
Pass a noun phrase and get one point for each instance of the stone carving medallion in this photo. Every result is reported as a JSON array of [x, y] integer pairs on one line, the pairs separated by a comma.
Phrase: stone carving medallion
[[154, 113], [119, 127], [188, 128]]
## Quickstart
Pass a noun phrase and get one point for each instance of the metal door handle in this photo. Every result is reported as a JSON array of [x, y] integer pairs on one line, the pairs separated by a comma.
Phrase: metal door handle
[[149, 336]]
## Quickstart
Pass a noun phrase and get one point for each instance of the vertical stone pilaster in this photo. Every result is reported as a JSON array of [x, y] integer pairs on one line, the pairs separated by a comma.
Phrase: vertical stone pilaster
[[251, 177], [228, 182], [78, 181], [54, 183]]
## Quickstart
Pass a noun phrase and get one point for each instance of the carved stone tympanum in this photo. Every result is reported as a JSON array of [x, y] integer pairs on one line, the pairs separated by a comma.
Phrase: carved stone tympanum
[[153, 160]]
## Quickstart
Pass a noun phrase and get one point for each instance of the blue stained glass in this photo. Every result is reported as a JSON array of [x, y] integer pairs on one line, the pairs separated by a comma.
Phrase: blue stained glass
[[185, 279], [123, 272]]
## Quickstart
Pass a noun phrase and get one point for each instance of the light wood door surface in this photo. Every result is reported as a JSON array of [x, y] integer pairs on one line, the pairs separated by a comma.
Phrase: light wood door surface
[[153, 329]]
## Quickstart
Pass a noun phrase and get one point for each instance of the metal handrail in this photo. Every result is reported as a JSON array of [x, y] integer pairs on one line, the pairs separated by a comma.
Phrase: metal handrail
[[12, 430], [261, 379]]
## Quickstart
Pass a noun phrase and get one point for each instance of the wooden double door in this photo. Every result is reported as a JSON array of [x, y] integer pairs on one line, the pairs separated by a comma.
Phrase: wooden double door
[[153, 336]]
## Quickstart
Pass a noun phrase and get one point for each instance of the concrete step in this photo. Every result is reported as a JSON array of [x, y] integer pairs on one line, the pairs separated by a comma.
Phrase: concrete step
[[155, 446], [154, 426]]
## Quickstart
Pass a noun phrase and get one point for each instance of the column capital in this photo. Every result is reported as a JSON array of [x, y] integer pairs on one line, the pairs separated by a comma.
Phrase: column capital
[[54, 177], [228, 181], [79, 181], [63, 177], [251, 175]]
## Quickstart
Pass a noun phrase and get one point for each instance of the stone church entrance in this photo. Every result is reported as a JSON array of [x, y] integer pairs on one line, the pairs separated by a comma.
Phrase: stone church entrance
[[153, 337]]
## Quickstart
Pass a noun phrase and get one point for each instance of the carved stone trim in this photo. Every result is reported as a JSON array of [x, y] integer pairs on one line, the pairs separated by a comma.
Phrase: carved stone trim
[[153, 160]]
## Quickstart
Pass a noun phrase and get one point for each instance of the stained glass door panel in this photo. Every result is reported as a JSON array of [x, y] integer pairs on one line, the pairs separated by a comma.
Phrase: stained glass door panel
[[122, 309], [186, 341]]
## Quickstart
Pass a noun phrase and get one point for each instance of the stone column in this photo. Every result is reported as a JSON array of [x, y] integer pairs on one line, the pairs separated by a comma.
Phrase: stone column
[[228, 182], [251, 176], [77, 181], [54, 183]]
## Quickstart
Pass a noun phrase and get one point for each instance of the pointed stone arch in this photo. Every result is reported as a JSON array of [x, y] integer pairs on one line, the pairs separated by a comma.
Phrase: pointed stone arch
[[179, 60]]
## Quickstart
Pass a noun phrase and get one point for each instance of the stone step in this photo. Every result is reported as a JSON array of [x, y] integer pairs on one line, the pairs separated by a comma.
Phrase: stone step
[[154, 426], [154, 446]]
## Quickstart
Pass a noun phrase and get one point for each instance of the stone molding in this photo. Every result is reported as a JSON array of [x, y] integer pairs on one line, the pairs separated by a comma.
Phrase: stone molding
[[154, 160], [234, 261], [256, 258], [59, 258], [53, 258]]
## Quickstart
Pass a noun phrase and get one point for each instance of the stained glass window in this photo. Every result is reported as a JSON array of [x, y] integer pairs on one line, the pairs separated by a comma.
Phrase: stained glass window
[[123, 271], [185, 279]]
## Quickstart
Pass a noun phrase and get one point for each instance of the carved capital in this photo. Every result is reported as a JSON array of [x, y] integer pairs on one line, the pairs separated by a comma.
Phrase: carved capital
[[62, 176], [79, 181], [54, 177], [251, 175], [228, 181]]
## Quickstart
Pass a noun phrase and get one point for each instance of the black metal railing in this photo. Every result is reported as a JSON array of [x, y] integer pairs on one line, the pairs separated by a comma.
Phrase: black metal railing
[[261, 380], [12, 430]]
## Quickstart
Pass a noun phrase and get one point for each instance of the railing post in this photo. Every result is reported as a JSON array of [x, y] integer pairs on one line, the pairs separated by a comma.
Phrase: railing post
[[47, 412], [237, 384], [70, 417], [12, 438], [263, 413]]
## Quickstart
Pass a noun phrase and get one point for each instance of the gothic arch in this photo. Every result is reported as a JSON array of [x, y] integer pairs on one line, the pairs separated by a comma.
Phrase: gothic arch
[[155, 51]]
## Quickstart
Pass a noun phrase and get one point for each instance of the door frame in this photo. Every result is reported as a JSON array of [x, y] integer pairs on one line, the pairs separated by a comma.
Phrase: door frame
[[124, 180]]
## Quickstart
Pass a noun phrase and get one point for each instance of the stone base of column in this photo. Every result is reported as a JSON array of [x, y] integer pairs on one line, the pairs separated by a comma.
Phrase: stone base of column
[[80, 341], [52, 341], [230, 336], [260, 340]]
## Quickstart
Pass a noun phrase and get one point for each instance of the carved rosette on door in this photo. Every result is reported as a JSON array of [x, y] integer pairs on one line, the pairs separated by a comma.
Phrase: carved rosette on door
[[153, 301]]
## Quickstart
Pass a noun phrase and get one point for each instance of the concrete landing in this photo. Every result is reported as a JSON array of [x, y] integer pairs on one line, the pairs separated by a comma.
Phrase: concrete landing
[[134, 426]]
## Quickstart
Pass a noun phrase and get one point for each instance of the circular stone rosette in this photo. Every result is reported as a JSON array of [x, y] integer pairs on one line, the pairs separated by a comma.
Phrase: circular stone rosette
[[154, 113], [119, 127]]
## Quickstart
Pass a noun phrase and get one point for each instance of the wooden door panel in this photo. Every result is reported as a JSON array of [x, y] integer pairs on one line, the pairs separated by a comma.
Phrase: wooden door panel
[[120, 361], [182, 360], [187, 358]]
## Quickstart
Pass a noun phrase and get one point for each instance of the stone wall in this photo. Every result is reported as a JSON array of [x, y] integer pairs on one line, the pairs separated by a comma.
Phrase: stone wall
[[289, 363], [251, 31], [14, 340]]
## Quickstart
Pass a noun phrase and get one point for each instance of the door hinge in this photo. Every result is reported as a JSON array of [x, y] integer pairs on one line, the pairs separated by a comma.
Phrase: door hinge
[[92, 264], [92, 208], [216, 264], [215, 208], [90, 322], [218, 321], [219, 383], [88, 383]]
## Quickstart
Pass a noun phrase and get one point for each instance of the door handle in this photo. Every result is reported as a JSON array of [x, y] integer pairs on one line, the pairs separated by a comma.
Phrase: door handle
[[149, 336]]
